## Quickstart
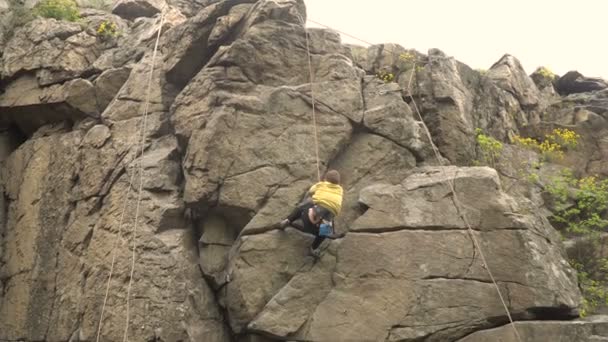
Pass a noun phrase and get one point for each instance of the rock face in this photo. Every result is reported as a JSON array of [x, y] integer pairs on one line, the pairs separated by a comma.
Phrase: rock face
[[76, 184], [409, 255], [180, 205]]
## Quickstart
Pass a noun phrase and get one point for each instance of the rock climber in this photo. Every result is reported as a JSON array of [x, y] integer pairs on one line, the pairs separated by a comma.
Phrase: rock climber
[[317, 214]]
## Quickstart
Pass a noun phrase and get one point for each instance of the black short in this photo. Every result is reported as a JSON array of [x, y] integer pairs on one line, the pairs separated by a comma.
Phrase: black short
[[323, 212]]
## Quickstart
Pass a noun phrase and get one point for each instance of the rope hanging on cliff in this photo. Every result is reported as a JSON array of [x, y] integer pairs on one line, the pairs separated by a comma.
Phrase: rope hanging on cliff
[[312, 96], [141, 171], [448, 180], [122, 215], [458, 205]]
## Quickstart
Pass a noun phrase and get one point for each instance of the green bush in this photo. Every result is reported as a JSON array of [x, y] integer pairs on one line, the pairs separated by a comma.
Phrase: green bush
[[58, 9], [594, 290], [490, 148], [580, 204], [580, 207]]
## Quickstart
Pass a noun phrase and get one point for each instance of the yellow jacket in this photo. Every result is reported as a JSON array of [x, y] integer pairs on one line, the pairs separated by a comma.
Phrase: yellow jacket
[[328, 195]]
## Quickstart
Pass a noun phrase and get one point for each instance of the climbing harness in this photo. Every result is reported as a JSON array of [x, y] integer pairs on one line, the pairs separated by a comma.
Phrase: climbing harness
[[325, 229], [138, 201], [448, 180]]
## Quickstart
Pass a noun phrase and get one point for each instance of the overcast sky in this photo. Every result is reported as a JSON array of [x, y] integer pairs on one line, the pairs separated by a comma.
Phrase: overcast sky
[[562, 35]]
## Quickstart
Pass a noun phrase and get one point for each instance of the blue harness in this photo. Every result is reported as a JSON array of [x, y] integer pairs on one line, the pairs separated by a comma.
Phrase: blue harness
[[325, 229]]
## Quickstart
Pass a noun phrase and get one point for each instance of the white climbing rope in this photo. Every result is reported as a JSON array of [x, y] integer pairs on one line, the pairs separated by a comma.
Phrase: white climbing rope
[[458, 204], [126, 201], [448, 180], [141, 174], [114, 249], [312, 96]]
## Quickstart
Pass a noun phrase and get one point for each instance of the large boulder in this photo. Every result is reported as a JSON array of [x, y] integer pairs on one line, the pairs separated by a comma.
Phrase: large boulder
[[200, 37], [509, 75], [108, 84], [30, 106], [56, 50], [574, 82], [131, 9]]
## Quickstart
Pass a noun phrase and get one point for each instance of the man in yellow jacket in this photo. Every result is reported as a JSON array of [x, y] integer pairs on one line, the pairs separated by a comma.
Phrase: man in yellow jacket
[[326, 204]]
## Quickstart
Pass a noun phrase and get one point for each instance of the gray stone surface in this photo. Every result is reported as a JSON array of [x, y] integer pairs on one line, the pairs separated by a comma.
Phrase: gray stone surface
[[588, 330], [229, 150]]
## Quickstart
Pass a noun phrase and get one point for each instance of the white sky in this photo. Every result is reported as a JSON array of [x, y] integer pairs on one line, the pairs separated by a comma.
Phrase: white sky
[[562, 35]]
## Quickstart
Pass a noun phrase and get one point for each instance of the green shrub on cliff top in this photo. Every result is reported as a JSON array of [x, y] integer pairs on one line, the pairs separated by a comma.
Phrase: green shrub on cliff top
[[58, 9]]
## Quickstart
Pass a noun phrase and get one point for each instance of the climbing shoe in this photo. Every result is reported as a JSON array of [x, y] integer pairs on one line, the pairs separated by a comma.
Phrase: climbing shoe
[[314, 252], [336, 236]]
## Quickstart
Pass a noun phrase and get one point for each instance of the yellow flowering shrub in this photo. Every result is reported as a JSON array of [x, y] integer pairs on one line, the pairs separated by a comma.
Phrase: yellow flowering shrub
[[407, 57], [385, 76], [546, 73], [107, 30], [553, 145]]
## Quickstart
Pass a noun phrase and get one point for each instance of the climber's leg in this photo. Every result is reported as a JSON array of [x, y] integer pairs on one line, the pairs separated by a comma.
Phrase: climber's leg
[[300, 212], [317, 242]]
